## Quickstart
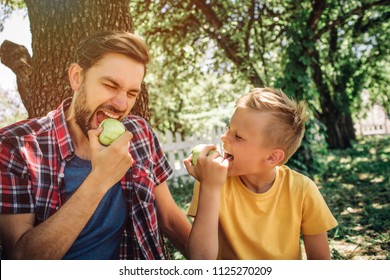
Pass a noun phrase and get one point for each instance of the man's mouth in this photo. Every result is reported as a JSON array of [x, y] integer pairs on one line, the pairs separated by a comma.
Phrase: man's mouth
[[102, 115]]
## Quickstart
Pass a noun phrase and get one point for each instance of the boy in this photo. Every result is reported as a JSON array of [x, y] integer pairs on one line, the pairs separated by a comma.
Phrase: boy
[[249, 205]]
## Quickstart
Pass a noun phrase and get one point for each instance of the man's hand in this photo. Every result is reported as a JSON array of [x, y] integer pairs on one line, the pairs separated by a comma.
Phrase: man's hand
[[110, 164]]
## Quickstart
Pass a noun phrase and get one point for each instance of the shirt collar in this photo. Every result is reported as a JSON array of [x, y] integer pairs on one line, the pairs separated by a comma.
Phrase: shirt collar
[[61, 129]]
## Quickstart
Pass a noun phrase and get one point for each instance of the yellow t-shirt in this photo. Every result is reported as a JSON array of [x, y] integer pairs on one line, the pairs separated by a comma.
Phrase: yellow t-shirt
[[268, 225]]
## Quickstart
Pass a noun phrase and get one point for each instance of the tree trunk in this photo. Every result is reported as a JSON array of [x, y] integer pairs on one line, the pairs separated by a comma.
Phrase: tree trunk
[[335, 116], [56, 27]]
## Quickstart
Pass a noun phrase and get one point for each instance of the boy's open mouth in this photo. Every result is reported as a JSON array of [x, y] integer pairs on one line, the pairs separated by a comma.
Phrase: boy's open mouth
[[228, 156]]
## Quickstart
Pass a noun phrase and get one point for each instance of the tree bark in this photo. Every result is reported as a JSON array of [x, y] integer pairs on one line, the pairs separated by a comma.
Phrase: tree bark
[[335, 116], [56, 28]]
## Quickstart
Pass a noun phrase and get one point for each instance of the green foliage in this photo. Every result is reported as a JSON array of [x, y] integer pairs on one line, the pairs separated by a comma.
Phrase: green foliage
[[190, 103], [203, 46], [309, 157], [356, 186], [11, 108], [6, 8]]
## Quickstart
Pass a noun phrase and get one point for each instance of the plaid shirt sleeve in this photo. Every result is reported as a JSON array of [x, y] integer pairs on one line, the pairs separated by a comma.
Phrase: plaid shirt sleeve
[[15, 186], [29, 166], [148, 145], [150, 169]]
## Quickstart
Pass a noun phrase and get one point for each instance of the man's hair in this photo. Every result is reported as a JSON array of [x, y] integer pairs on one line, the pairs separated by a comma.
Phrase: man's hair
[[287, 127], [92, 48]]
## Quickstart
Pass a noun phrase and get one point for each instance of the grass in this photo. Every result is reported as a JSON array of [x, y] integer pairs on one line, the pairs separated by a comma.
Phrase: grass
[[356, 185]]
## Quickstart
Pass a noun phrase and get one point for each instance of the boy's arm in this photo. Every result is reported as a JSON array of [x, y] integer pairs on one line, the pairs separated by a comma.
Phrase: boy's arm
[[317, 246], [211, 172], [203, 241]]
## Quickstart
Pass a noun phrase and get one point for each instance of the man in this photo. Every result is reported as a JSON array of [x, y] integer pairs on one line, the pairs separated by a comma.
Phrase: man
[[63, 194]]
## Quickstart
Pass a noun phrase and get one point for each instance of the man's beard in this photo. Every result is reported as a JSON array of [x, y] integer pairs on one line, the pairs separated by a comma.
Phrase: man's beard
[[83, 115]]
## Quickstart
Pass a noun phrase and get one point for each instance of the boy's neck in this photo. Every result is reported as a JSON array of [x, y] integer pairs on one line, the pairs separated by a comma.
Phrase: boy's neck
[[259, 184]]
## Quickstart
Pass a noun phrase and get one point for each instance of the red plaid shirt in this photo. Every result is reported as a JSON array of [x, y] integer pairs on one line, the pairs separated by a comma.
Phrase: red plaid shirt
[[33, 155]]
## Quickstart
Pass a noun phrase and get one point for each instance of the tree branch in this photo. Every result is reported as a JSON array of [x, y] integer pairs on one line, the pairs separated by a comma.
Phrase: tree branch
[[344, 18], [18, 59]]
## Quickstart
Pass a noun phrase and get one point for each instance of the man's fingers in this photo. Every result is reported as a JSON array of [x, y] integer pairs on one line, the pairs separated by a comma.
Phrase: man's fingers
[[124, 138], [93, 135]]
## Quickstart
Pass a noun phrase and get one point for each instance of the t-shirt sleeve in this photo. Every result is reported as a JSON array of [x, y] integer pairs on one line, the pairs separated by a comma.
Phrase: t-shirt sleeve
[[316, 217], [195, 200]]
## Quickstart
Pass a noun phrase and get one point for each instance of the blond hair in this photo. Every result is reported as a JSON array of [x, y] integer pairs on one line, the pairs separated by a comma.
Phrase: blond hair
[[288, 126]]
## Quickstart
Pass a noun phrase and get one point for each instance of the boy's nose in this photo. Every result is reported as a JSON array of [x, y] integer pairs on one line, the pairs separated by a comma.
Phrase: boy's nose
[[224, 138]]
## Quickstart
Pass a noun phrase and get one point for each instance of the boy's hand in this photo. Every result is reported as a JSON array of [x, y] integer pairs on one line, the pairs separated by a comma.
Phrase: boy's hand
[[210, 168]]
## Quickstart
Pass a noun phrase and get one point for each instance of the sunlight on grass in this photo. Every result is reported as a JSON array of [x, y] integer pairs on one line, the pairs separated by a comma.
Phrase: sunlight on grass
[[379, 179], [363, 176], [345, 160], [372, 151], [347, 186]]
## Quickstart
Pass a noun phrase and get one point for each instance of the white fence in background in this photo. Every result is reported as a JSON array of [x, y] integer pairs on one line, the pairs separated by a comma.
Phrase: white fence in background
[[373, 128], [376, 122], [177, 148]]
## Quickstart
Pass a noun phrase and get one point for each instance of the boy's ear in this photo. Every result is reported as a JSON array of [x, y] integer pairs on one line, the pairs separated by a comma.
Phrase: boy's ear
[[75, 76], [276, 157]]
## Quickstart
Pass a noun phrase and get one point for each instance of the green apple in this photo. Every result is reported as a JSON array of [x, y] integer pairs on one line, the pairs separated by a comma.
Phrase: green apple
[[112, 129], [196, 150]]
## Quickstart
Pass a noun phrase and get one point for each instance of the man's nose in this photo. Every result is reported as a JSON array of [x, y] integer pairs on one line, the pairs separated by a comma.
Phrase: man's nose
[[120, 101]]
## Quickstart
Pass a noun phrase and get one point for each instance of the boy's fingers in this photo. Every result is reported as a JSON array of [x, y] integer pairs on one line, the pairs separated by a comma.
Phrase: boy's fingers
[[188, 162]]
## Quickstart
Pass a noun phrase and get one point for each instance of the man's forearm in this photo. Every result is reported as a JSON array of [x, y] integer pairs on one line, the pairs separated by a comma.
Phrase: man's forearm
[[53, 237]]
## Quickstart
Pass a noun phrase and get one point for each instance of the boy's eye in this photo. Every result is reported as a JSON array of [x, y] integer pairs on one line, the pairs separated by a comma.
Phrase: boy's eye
[[238, 137]]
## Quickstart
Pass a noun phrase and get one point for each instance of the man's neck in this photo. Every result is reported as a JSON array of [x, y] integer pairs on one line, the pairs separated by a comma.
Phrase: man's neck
[[79, 139]]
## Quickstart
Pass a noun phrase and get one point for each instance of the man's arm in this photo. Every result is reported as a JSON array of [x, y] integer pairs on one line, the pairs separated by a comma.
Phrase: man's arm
[[172, 221], [52, 238], [317, 246]]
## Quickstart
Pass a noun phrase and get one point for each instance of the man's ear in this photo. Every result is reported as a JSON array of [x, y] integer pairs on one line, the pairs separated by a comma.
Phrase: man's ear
[[75, 76], [276, 157]]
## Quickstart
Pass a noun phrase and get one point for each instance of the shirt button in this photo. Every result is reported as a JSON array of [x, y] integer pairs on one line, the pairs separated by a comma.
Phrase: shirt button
[[61, 175]]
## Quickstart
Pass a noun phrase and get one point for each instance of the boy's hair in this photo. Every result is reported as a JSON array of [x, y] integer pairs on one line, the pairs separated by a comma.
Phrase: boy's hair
[[92, 48], [288, 126]]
